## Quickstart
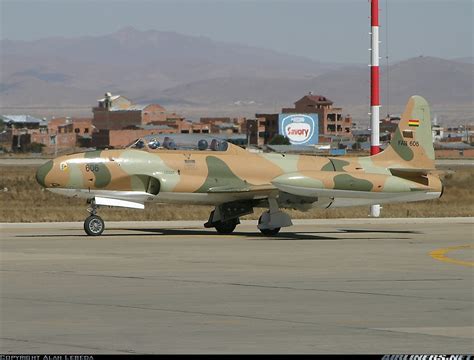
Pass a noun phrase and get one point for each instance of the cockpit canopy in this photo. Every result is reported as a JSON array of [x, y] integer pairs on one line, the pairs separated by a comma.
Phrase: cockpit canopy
[[190, 142]]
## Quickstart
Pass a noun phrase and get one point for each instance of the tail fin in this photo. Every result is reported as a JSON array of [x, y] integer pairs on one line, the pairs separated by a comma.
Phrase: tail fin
[[412, 143]]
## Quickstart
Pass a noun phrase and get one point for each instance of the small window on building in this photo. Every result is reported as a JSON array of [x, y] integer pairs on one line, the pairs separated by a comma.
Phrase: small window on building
[[77, 130], [86, 130]]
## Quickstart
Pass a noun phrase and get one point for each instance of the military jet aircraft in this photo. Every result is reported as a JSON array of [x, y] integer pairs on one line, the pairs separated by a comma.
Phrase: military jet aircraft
[[164, 169]]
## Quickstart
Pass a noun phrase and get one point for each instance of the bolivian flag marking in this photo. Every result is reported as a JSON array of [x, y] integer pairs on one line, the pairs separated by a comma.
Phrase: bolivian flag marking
[[414, 122]]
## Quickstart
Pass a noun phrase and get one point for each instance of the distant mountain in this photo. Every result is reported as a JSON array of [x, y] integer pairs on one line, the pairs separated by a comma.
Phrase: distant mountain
[[138, 63], [197, 75], [468, 59], [439, 80]]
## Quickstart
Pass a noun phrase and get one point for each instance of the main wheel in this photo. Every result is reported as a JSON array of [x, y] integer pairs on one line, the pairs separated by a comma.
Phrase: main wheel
[[268, 232], [226, 227], [94, 225]]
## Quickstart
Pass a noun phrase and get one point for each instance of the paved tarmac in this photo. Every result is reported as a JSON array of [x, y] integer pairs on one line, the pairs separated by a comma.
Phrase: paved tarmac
[[322, 286]]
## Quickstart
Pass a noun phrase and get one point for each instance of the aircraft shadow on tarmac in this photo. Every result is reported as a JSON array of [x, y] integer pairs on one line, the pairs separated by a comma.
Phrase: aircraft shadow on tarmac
[[306, 235]]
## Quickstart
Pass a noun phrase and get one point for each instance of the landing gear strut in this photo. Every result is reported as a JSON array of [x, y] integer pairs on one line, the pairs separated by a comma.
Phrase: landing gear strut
[[268, 231], [222, 226], [225, 217], [273, 220], [93, 225]]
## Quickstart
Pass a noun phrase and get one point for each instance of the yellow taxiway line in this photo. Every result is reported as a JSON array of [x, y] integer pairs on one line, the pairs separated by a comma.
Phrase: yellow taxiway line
[[440, 254]]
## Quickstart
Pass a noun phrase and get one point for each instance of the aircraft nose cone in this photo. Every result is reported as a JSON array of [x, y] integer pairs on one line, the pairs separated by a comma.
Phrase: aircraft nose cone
[[42, 171]]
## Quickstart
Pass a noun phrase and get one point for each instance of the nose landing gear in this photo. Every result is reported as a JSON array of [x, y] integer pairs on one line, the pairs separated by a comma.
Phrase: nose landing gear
[[93, 224]]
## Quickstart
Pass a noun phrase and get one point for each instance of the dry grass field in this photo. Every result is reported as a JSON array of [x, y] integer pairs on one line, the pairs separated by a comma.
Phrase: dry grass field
[[23, 200]]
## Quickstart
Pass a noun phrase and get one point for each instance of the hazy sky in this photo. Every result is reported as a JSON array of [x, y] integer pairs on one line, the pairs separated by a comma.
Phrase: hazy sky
[[326, 30]]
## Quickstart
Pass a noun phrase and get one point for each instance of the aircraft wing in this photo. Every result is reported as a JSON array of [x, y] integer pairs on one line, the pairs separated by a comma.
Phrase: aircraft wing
[[250, 188], [108, 201], [394, 170]]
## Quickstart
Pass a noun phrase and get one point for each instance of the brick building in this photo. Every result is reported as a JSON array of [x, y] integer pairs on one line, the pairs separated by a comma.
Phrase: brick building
[[183, 126], [59, 133], [117, 112], [331, 120], [19, 131], [65, 133], [106, 138], [225, 125], [267, 127]]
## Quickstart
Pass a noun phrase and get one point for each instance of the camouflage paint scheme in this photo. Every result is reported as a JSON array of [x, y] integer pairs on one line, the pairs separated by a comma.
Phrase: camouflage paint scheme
[[405, 171]]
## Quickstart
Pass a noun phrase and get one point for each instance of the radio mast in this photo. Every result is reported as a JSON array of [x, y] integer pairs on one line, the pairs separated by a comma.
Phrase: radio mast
[[374, 88], [374, 79]]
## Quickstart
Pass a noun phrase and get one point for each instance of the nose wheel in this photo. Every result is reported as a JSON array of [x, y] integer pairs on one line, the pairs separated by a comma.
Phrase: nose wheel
[[93, 225]]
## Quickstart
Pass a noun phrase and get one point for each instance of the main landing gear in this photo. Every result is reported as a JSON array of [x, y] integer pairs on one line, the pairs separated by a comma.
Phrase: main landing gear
[[93, 225], [222, 226], [271, 221], [227, 227], [225, 217], [270, 231]]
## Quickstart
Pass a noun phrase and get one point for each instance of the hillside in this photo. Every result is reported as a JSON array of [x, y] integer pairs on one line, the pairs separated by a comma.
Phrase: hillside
[[439, 80], [199, 76], [138, 63]]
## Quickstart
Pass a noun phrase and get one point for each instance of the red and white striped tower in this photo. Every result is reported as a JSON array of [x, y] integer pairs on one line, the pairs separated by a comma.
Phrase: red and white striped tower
[[374, 88], [374, 79]]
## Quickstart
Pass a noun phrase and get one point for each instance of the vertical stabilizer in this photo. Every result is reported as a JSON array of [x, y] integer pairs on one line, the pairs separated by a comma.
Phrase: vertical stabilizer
[[412, 143]]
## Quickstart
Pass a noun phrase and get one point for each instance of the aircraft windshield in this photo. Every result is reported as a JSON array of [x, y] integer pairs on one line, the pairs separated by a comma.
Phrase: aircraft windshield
[[179, 142]]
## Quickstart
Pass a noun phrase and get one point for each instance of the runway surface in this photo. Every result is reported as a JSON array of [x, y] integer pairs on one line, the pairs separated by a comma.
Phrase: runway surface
[[321, 286]]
